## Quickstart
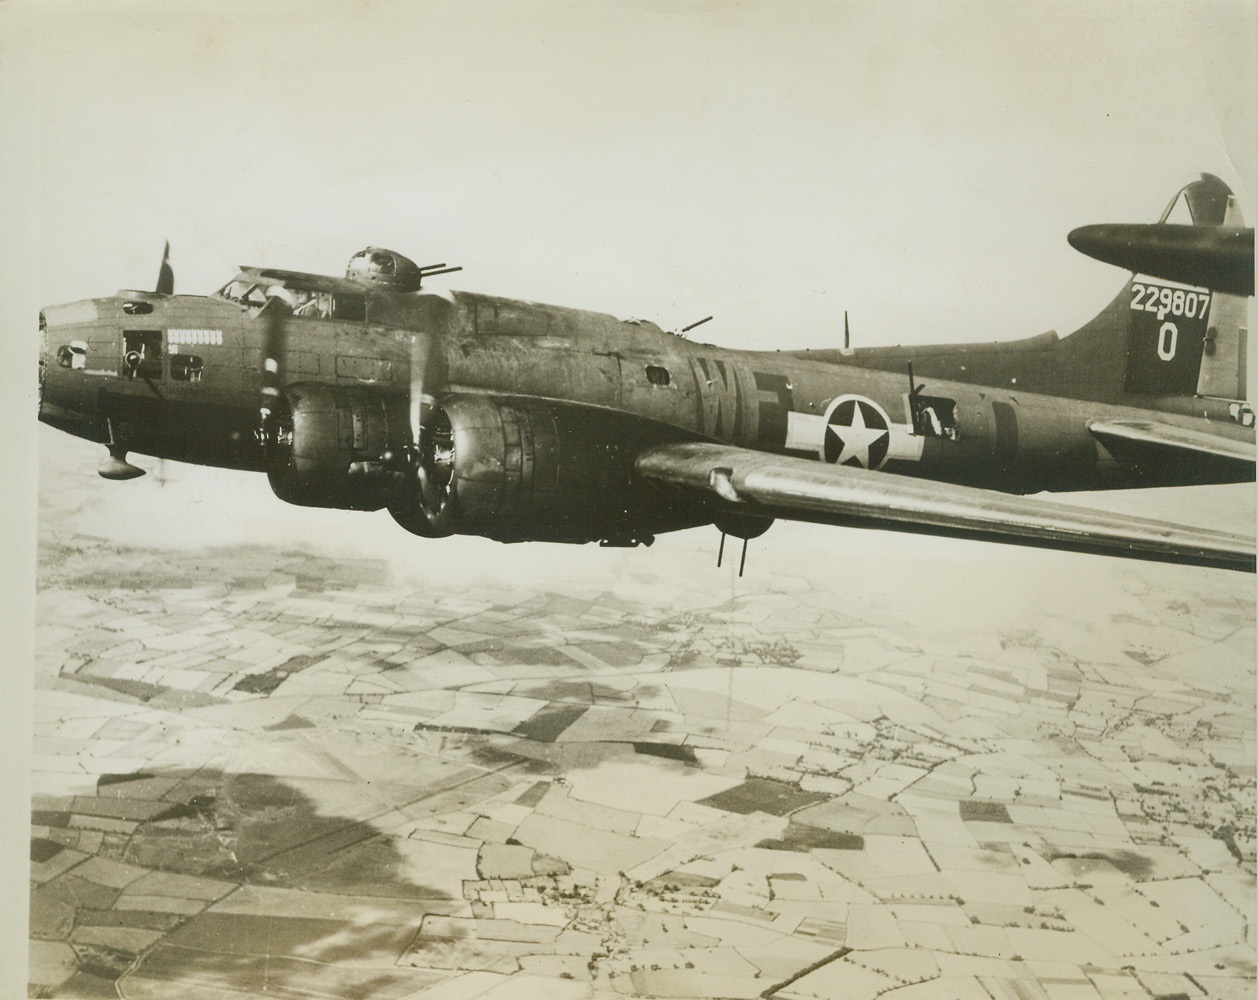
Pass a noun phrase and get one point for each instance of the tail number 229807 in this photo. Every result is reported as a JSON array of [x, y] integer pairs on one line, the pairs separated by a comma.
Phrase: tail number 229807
[[1165, 301]]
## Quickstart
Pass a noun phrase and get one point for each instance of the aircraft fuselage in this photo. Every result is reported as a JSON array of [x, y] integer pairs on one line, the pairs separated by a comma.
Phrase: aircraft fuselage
[[194, 394]]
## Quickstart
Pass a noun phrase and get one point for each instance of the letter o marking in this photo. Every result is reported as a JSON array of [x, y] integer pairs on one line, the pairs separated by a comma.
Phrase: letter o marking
[[1168, 338]]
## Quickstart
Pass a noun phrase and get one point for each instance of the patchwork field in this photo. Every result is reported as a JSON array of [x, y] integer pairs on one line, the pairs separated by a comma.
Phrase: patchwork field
[[881, 771]]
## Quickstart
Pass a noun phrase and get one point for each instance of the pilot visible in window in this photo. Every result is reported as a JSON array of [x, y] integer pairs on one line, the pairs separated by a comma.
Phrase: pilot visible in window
[[306, 304], [313, 305]]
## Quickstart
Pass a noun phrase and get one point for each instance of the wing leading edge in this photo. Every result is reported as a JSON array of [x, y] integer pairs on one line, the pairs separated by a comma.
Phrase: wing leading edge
[[751, 484]]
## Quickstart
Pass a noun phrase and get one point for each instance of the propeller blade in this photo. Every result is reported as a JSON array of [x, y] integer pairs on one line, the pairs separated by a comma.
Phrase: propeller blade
[[417, 392], [274, 316], [166, 274]]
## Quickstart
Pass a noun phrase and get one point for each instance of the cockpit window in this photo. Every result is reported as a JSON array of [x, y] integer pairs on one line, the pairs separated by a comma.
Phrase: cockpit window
[[304, 302], [352, 307], [327, 305], [311, 305], [245, 293]]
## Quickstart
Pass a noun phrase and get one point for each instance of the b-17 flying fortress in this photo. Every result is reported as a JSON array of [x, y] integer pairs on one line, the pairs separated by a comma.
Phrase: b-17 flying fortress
[[300, 770], [463, 413]]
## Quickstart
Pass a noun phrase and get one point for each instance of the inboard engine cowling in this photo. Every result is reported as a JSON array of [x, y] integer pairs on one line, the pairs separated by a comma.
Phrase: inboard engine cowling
[[511, 470]]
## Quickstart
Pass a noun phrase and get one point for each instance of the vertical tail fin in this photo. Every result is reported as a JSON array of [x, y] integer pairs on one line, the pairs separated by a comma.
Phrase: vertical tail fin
[[1186, 311], [1170, 336], [1166, 337]]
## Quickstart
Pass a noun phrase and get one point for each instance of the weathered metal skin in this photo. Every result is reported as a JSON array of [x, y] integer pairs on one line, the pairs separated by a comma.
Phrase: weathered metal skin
[[524, 469], [210, 422], [733, 396], [341, 446], [547, 406], [743, 398]]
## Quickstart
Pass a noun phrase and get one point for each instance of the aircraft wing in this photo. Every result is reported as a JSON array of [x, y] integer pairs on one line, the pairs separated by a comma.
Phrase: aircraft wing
[[754, 484], [1159, 437]]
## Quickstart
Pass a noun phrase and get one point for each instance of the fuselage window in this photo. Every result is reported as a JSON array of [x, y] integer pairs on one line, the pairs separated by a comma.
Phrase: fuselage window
[[142, 353], [658, 375], [305, 303], [186, 367], [934, 416], [351, 307], [326, 305], [73, 355], [312, 305]]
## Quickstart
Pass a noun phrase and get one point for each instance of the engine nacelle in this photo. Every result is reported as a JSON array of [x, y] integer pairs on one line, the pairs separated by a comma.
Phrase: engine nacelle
[[338, 446], [534, 470]]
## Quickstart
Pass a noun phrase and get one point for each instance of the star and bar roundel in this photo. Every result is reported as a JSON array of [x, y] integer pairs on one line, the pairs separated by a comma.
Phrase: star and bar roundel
[[858, 432]]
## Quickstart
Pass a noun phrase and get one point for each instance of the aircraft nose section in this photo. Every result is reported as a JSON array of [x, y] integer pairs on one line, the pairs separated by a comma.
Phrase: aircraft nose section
[[66, 396], [43, 357], [61, 340]]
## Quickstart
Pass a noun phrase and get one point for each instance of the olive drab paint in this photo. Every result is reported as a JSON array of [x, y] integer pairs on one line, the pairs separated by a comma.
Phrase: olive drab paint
[[464, 412]]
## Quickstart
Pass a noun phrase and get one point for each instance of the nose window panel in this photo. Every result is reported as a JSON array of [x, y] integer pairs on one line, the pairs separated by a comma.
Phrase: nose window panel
[[142, 354], [186, 367], [73, 355]]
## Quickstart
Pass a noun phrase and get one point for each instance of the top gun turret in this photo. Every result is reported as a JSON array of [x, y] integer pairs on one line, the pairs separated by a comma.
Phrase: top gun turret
[[377, 266]]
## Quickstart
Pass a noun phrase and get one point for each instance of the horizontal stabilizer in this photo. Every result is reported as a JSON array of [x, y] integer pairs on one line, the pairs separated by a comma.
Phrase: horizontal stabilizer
[[754, 484], [1169, 438], [1219, 258]]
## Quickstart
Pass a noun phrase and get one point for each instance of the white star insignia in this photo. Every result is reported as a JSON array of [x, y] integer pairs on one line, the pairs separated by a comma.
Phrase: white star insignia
[[856, 438]]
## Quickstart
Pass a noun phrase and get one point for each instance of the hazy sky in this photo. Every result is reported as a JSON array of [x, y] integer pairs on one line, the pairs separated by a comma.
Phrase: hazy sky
[[769, 163]]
